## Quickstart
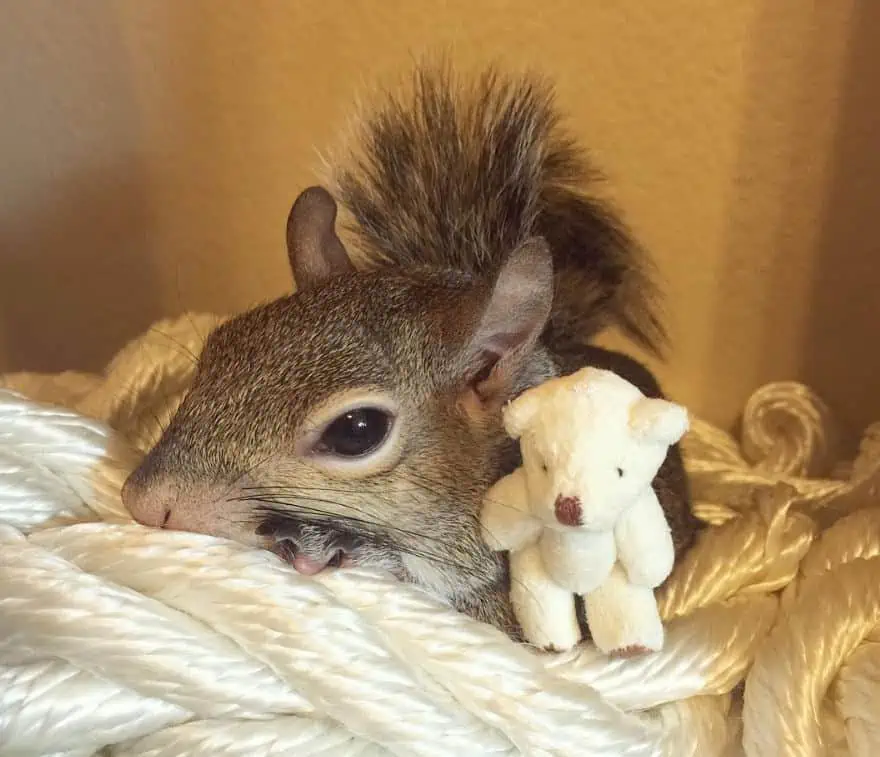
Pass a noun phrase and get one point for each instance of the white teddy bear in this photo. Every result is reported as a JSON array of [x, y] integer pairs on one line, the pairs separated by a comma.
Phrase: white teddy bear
[[581, 516]]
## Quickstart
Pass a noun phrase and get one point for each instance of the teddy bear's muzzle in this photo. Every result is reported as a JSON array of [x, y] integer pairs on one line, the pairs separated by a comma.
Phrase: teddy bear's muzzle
[[568, 510]]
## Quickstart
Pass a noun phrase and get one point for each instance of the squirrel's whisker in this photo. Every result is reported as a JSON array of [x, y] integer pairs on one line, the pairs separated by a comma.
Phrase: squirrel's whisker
[[182, 348], [296, 507], [303, 515]]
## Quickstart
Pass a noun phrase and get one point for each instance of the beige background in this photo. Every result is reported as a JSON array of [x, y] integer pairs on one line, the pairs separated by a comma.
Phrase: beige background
[[150, 151]]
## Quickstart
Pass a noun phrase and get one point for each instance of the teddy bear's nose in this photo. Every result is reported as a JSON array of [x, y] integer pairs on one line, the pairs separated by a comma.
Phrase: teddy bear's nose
[[568, 510]]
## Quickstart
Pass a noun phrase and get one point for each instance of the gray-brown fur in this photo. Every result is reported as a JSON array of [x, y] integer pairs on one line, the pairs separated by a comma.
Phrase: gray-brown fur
[[444, 197]]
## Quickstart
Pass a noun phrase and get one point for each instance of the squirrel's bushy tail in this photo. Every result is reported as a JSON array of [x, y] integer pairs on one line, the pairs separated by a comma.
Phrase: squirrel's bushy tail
[[457, 173]]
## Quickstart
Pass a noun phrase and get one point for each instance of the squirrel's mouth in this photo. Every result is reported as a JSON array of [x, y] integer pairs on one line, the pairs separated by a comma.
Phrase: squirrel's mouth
[[310, 546], [311, 564]]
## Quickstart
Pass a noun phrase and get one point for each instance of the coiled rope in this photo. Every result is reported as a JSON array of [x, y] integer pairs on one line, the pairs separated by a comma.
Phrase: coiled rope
[[117, 639]]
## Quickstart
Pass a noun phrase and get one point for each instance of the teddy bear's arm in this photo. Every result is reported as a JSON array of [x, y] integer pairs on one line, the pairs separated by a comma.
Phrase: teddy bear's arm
[[644, 542], [506, 521]]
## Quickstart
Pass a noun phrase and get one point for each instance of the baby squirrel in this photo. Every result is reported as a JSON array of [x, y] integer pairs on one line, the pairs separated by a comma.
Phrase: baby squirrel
[[357, 421]]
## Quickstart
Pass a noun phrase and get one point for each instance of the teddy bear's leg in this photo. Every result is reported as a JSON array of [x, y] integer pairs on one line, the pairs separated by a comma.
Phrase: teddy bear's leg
[[623, 616], [644, 542], [545, 610]]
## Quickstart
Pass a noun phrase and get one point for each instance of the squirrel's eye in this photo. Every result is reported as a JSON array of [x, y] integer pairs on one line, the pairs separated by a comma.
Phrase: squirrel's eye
[[355, 433], [620, 472]]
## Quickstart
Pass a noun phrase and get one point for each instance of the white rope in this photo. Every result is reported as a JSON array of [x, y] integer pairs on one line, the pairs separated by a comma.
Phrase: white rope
[[122, 640]]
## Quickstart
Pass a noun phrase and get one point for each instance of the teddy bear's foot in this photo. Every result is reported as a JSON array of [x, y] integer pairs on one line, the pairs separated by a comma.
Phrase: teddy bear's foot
[[633, 650], [628, 641], [552, 644]]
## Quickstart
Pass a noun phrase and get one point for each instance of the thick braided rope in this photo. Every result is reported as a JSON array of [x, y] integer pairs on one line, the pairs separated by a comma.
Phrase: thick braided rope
[[150, 642]]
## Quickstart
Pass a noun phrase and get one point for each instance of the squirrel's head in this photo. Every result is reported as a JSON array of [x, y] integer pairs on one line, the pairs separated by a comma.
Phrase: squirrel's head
[[591, 444], [359, 419]]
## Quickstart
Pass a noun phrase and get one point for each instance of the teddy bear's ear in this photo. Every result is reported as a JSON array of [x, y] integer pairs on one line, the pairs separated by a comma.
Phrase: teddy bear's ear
[[520, 413], [659, 420]]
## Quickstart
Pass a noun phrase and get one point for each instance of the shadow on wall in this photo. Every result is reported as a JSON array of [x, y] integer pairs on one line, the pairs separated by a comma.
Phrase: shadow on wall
[[805, 209], [75, 273], [841, 348], [75, 217]]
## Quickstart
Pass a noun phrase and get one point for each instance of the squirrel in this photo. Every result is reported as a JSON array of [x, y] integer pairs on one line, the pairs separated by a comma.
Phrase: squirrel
[[357, 421]]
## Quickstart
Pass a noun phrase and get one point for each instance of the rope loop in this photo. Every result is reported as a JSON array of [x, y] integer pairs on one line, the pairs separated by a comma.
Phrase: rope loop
[[120, 640]]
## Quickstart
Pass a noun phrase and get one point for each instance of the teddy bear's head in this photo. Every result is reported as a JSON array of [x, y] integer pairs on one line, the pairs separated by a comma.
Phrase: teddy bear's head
[[591, 443]]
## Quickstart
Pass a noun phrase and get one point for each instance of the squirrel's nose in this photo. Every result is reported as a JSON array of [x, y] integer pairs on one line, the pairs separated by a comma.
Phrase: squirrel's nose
[[568, 510], [149, 502]]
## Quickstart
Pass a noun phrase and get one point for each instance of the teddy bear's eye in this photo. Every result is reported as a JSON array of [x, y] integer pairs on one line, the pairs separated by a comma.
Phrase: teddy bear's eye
[[620, 472], [544, 467]]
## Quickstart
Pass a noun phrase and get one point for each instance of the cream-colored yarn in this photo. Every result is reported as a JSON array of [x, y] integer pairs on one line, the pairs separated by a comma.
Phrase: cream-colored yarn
[[141, 642]]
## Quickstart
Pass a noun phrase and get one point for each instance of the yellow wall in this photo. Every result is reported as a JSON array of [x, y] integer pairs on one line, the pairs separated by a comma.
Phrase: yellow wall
[[150, 152]]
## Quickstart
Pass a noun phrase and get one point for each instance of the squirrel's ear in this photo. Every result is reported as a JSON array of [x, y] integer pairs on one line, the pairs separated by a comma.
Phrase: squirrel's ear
[[659, 420], [313, 248], [512, 317]]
